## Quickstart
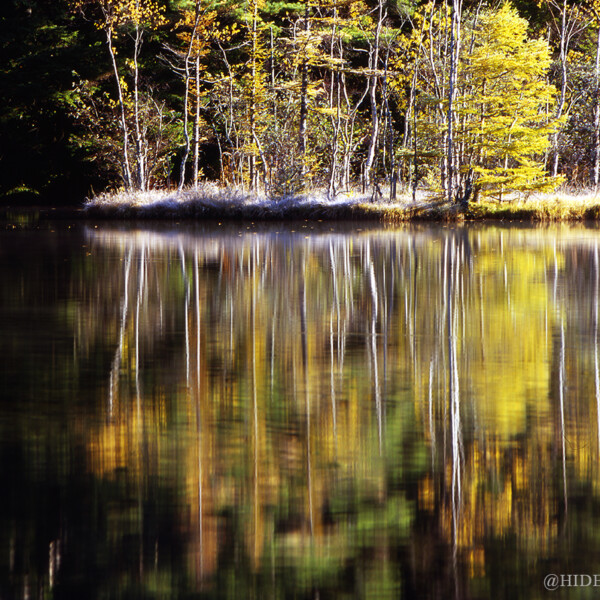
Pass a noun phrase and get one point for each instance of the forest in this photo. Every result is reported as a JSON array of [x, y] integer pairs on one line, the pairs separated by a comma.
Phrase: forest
[[459, 97]]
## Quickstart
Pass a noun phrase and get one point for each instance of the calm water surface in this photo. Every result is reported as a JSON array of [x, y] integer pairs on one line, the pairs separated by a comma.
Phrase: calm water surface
[[298, 411]]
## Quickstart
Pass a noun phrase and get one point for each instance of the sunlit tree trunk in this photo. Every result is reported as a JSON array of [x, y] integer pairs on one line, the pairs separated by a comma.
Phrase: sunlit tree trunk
[[568, 24], [597, 112], [451, 167], [256, 98], [374, 108], [334, 104], [125, 166], [302, 126], [186, 96], [196, 165], [140, 138]]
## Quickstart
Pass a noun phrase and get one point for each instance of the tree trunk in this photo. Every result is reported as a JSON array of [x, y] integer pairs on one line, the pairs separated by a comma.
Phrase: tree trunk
[[140, 142], [451, 167], [186, 97], [373, 64], [334, 103], [302, 126], [253, 93], [196, 167], [563, 84], [597, 114], [125, 166]]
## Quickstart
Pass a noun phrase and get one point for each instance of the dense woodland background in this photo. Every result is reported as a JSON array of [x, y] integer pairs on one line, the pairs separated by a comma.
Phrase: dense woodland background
[[461, 97]]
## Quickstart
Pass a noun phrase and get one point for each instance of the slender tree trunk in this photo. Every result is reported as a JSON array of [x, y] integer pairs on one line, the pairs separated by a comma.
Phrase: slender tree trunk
[[563, 49], [302, 126], [334, 104], [373, 78], [186, 96], [451, 167], [597, 114], [125, 166], [252, 157], [389, 132], [570, 25], [253, 97], [196, 167], [140, 142]]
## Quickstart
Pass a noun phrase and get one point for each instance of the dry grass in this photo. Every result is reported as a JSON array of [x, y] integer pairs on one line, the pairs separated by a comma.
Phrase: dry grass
[[212, 202], [556, 206]]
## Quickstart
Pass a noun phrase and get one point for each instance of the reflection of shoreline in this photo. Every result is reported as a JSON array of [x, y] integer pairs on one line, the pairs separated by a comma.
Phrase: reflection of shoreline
[[106, 232], [211, 238], [193, 235]]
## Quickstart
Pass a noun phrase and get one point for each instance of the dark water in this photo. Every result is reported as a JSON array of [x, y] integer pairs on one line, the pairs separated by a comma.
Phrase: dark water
[[304, 411]]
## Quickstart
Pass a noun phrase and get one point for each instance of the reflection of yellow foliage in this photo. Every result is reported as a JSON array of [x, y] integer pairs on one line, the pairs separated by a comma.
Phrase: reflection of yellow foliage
[[277, 412], [426, 494], [507, 337], [118, 444]]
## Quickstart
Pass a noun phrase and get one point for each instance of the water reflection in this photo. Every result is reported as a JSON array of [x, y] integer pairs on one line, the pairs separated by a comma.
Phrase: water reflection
[[245, 412]]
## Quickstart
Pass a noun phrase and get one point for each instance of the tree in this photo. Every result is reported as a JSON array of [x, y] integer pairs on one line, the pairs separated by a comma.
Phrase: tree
[[498, 128], [455, 31], [199, 27], [132, 17], [567, 21], [595, 12], [503, 104]]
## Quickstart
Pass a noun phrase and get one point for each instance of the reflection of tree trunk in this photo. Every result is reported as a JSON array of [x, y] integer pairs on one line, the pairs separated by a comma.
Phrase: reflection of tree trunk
[[254, 259], [373, 343], [561, 397], [186, 318], [336, 308], [431, 422], [199, 413], [140, 293], [306, 390], [453, 384], [452, 267], [415, 307], [596, 366], [332, 384], [116, 363], [138, 397]]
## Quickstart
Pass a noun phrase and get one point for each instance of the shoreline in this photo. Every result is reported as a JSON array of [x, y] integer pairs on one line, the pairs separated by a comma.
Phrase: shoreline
[[215, 204]]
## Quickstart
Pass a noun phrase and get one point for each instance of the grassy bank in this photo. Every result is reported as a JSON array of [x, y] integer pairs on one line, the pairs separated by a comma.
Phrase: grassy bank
[[211, 202]]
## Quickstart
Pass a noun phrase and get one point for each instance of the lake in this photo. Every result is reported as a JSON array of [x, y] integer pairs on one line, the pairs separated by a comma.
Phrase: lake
[[300, 410]]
